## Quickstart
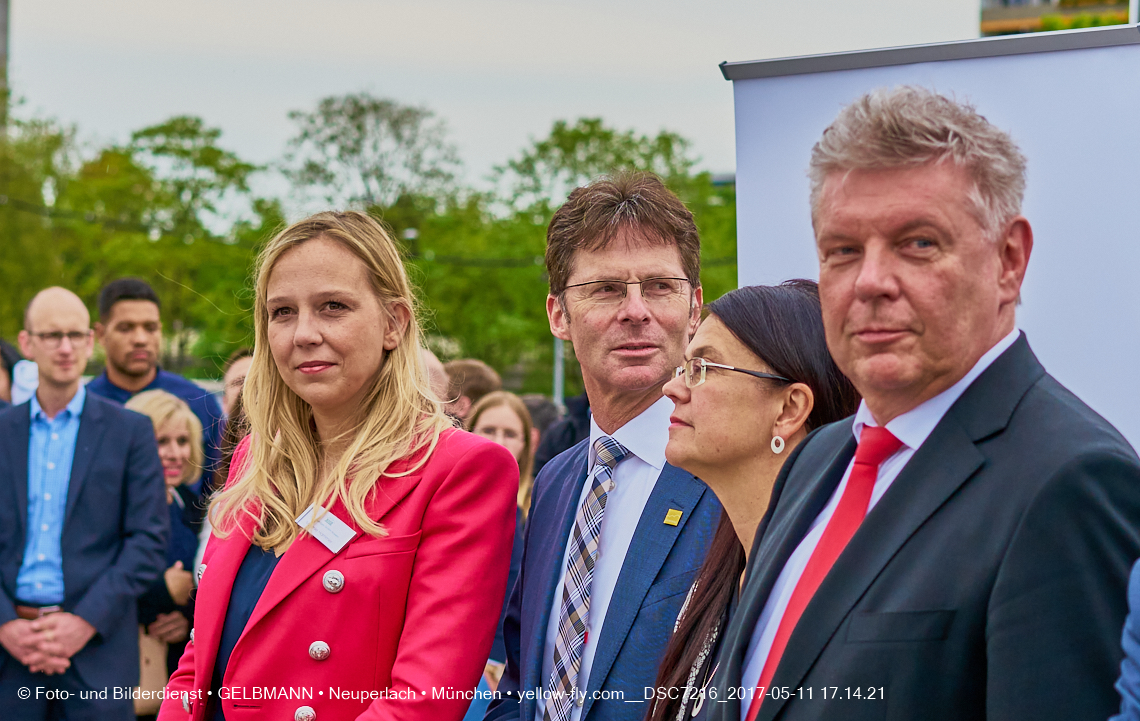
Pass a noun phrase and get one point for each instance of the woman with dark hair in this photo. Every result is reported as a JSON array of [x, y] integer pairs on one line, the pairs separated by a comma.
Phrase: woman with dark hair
[[757, 379]]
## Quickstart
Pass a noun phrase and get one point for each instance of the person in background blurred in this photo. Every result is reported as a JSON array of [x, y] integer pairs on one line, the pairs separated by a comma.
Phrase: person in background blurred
[[130, 331], [440, 382], [543, 412], [233, 378], [757, 379], [9, 357], [470, 380], [237, 428], [565, 433], [83, 528], [165, 609], [503, 418]]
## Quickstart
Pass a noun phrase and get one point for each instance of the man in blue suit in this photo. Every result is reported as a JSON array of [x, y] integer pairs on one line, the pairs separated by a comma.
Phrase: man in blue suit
[[83, 528], [615, 534]]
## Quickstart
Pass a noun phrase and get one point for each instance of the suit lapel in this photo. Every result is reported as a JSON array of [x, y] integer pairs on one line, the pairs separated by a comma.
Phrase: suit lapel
[[212, 600], [17, 432], [652, 541], [794, 511], [301, 561], [91, 430], [307, 555], [565, 511], [944, 462], [788, 528]]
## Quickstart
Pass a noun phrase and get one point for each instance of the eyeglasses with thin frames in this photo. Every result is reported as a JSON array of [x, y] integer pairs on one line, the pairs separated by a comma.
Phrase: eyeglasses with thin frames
[[610, 292], [695, 369], [53, 339]]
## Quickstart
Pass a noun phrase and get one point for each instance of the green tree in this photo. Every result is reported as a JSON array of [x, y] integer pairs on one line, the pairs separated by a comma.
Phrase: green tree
[[362, 151], [572, 155], [175, 208], [37, 158]]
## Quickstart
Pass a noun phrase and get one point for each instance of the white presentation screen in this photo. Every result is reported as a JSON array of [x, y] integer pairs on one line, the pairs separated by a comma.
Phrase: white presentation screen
[[1070, 101]]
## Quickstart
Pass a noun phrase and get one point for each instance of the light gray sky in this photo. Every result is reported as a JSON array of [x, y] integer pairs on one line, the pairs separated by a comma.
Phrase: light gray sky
[[499, 71]]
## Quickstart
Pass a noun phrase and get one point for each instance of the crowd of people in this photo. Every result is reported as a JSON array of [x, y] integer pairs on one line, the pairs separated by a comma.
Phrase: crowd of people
[[857, 498]]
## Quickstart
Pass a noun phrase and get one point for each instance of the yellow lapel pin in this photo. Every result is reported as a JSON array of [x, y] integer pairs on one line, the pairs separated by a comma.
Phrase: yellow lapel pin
[[673, 517]]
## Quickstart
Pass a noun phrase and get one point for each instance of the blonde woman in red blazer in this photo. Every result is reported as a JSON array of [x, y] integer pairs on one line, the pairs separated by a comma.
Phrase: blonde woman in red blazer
[[383, 604]]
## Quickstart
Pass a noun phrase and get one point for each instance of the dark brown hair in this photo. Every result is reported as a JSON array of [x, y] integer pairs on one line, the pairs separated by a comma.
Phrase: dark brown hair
[[594, 214], [783, 326]]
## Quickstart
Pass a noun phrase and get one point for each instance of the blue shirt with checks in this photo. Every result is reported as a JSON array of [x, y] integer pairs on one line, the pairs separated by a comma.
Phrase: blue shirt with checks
[[51, 449]]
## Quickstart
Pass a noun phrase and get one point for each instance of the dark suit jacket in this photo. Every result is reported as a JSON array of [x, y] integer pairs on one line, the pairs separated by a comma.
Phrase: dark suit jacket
[[987, 583], [659, 568], [114, 532]]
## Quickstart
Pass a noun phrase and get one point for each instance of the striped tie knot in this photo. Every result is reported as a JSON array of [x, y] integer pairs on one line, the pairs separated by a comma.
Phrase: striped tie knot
[[609, 452]]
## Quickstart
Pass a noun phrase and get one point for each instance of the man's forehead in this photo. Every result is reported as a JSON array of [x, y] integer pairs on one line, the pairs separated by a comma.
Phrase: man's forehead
[[870, 182], [629, 252], [920, 189], [57, 309], [133, 311]]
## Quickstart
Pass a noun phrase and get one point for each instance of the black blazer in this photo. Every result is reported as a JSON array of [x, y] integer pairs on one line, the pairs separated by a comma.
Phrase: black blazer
[[989, 582], [114, 533]]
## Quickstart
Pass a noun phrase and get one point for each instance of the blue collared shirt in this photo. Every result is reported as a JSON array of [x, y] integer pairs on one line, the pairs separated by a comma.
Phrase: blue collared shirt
[[51, 450]]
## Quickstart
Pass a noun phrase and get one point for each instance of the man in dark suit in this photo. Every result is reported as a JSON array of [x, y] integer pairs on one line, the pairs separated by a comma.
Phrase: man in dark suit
[[83, 529], [615, 534], [961, 548]]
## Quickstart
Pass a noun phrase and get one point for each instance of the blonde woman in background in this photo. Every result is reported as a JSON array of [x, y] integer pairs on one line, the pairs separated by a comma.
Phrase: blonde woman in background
[[361, 542], [502, 417], [165, 609]]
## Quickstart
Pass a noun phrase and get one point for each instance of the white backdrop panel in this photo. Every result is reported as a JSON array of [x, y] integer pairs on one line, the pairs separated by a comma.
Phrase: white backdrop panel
[[1072, 113]]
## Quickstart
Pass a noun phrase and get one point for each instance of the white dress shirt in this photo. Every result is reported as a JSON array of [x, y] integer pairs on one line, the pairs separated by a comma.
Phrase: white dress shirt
[[912, 428], [633, 480]]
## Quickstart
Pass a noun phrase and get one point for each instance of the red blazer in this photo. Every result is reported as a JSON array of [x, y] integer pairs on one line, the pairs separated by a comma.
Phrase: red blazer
[[409, 630]]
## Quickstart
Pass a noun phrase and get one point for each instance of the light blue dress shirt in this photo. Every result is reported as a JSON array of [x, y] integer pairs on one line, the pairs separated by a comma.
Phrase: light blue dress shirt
[[51, 450]]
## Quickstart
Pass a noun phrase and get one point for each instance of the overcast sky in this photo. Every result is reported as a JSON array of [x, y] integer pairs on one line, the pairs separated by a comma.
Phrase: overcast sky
[[499, 71]]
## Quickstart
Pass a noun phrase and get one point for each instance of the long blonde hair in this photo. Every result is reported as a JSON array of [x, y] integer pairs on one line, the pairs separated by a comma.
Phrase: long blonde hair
[[398, 414], [162, 407], [526, 463]]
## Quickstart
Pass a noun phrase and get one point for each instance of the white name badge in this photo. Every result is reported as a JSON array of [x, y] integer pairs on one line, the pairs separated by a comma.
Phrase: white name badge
[[328, 529]]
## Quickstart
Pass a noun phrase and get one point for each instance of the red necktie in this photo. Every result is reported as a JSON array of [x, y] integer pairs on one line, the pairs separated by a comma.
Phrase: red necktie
[[875, 446]]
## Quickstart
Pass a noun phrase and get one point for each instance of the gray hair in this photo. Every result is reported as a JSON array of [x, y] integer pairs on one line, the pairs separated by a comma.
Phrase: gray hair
[[910, 126]]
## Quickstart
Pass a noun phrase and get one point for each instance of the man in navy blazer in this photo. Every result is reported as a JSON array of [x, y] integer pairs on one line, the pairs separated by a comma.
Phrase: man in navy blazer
[[596, 601], [83, 529]]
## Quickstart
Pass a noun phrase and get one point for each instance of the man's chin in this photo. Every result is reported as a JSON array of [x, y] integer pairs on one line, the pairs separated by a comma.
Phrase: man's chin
[[135, 370], [639, 378], [883, 373]]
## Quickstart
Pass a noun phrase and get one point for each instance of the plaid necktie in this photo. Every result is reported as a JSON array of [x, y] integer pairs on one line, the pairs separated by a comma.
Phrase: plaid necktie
[[575, 609]]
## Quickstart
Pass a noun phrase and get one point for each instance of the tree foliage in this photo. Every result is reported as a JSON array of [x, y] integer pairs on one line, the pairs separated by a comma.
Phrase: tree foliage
[[358, 150], [175, 207], [150, 209], [573, 155]]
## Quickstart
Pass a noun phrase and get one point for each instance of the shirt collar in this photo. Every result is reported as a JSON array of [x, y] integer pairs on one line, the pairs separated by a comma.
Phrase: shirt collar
[[916, 425], [74, 407], [645, 436]]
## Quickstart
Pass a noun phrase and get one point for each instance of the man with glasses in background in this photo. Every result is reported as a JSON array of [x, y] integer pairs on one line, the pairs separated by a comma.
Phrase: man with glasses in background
[[83, 529], [615, 534]]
